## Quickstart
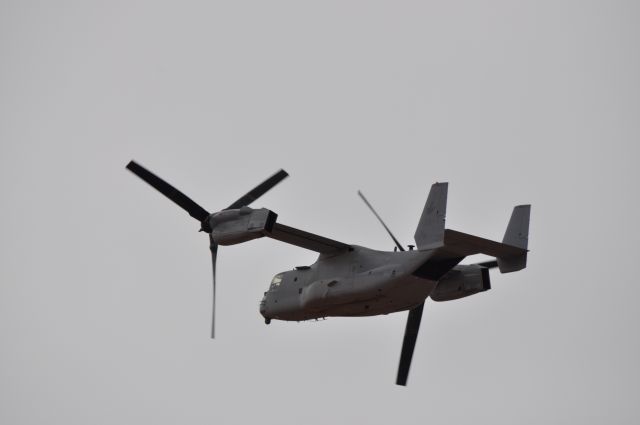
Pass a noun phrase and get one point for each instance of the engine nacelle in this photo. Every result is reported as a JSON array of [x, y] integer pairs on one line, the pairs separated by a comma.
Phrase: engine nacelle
[[231, 227], [461, 282]]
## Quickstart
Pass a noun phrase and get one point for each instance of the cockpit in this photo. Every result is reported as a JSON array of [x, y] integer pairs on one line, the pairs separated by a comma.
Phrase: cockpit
[[276, 282], [273, 287]]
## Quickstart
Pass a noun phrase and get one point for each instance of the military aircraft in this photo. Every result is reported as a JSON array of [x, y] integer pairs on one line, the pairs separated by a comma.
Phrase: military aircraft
[[350, 280]]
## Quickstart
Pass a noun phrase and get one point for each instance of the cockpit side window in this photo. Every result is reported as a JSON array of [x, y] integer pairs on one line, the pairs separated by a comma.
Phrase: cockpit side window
[[277, 280]]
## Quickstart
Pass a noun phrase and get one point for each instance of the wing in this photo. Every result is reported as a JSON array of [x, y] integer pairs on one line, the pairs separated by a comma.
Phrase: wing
[[306, 240]]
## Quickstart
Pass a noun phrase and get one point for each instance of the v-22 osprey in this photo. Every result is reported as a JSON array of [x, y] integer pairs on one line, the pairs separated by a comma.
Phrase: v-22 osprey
[[349, 280]]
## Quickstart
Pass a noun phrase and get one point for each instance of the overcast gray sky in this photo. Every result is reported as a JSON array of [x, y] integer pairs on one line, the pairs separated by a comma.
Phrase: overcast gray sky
[[105, 284]]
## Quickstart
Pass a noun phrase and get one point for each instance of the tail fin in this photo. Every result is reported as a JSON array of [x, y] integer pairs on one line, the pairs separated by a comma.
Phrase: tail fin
[[517, 235], [430, 229]]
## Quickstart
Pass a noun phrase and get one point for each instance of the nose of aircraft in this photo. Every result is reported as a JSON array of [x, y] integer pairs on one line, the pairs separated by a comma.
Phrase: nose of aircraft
[[263, 309]]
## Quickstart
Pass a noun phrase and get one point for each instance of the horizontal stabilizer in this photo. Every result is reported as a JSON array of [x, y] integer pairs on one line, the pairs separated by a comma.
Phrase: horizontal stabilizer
[[462, 245], [511, 254]]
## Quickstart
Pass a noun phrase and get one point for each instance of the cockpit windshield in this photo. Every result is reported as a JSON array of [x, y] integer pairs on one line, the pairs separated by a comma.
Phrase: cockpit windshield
[[277, 280]]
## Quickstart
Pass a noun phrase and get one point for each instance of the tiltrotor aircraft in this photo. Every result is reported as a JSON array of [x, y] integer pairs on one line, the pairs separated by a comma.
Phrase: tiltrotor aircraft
[[351, 280]]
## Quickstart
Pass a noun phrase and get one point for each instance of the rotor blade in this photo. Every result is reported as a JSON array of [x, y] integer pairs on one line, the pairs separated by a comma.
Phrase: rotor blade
[[259, 190], [213, 246], [187, 204], [409, 343], [381, 222]]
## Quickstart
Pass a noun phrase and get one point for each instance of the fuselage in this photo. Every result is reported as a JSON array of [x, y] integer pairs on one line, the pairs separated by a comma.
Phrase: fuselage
[[359, 282]]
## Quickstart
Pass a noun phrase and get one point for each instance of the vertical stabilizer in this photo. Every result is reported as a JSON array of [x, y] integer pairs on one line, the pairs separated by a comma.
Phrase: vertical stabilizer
[[517, 235], [430, 229]]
